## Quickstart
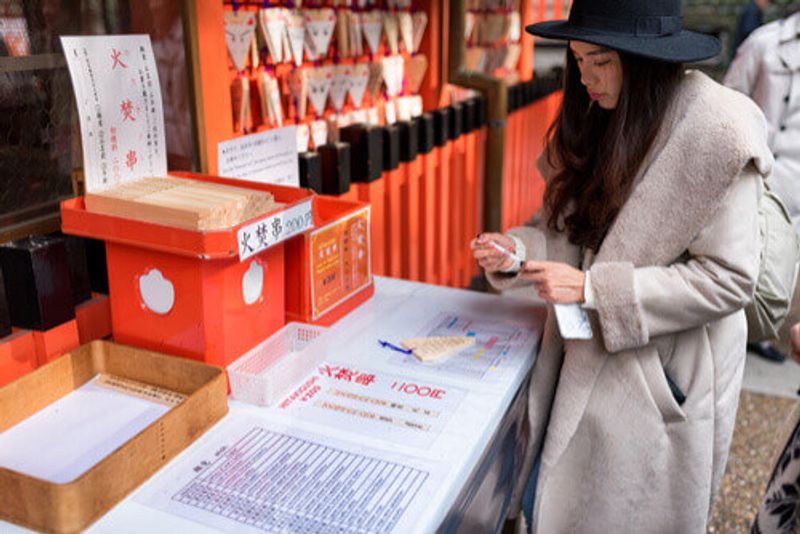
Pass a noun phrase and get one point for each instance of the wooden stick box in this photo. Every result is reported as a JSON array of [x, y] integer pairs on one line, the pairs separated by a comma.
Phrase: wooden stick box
[[71, 507], [206, 294]]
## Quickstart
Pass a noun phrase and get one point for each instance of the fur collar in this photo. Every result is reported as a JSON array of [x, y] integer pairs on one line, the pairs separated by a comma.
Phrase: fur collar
[[710, 134]]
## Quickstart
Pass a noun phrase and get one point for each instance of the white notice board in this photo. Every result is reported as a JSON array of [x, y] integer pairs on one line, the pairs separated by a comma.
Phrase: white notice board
[[267, 157]]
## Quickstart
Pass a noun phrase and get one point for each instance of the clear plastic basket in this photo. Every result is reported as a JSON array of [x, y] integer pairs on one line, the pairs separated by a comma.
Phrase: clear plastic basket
[[264, 374]]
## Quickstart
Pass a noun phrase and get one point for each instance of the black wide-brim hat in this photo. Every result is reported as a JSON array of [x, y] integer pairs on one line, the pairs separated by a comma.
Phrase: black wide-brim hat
[[648, 28]]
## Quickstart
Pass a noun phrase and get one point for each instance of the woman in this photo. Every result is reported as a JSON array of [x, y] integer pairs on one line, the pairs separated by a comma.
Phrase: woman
[[650, 223]]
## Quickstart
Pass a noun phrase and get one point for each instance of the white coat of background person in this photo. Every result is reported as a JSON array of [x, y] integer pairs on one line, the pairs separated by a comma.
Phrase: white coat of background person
[[767, 69]]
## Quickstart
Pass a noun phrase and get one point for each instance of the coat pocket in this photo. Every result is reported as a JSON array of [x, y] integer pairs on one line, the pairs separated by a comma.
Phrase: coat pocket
[[659, 386]]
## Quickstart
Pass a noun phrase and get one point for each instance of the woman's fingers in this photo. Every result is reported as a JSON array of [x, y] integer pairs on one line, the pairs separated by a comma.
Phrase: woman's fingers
[[489, 257], [501, 239]]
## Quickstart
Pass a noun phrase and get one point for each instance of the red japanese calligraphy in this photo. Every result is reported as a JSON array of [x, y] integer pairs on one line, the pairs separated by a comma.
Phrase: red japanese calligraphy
[[115, 56], [345, 374], [130, 159], [127, 110], [365, 379], [348, 375]]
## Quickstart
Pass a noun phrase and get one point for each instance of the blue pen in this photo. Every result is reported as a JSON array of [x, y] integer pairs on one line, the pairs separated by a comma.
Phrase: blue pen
[[387, 345]]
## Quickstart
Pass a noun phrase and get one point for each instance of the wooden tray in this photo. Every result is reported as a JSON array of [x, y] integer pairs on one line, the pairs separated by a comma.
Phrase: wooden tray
[[71, 507]]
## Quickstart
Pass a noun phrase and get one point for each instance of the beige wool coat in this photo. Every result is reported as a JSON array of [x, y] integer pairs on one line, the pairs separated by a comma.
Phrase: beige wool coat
[[618, 454]]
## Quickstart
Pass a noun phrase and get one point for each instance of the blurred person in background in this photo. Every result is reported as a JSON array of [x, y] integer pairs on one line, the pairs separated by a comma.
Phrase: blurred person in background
[[767, 69], [751, 17]]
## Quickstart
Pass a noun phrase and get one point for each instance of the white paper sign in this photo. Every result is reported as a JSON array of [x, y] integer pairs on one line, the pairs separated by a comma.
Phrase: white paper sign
[[268, 157], [119, 102], [273, 229]]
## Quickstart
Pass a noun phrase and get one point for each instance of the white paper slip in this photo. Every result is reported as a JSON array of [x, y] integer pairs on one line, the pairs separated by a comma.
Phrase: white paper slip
[[573, 321]]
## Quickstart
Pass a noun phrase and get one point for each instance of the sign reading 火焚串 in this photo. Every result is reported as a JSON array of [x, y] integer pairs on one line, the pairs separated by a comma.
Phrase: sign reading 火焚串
[[119, 103]]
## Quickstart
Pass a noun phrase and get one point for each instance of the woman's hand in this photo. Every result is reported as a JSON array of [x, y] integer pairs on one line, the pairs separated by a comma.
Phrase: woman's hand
[[489, 258], [556, 283], [795, 338]]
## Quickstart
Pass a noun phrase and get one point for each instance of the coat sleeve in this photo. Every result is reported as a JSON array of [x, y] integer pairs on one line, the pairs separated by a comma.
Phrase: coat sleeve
[[541, 243], [716, 278], [744, 70]]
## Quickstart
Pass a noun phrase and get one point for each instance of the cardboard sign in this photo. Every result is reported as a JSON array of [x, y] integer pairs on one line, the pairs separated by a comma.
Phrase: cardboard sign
[[319, 133], [356, 42], [298, 88], [416, 106], [392, 30], [393, 74], [268, 157], [303, 136], [515, 30], [375, 81], [340, 261], [415, 72], [419, 21], [271, 109], [475, 59], [469, 27], [319, 24], [295, 34], [372, 26], [116, 86], [406, 24], [320, 80], [512, 56], [340, 85], [240, 99], [359, 116], [358, 83], [403, 108], [373, 118], [343, 33], [390, 112], [240, 27], [273, 24]]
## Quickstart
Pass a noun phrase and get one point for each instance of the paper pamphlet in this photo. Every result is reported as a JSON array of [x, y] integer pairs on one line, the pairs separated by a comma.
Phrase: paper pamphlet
[[573, 322], [116, 86]]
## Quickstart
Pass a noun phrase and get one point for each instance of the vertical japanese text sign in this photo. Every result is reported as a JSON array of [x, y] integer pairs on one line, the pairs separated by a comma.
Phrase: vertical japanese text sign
[[119, 103]]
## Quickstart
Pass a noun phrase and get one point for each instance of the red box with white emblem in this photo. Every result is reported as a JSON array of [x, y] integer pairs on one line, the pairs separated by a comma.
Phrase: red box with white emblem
[[210, 296]]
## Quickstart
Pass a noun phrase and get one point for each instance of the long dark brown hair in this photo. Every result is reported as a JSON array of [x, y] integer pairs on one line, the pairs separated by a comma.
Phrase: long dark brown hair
[[598, 152]]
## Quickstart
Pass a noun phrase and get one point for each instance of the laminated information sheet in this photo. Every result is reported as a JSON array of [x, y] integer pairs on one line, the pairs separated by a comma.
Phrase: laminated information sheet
[[495, 341], [340, 261], [250, 476], [373, 403]]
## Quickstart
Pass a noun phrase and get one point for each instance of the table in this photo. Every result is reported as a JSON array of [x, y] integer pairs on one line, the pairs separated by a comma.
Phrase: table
[[441, 458]]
